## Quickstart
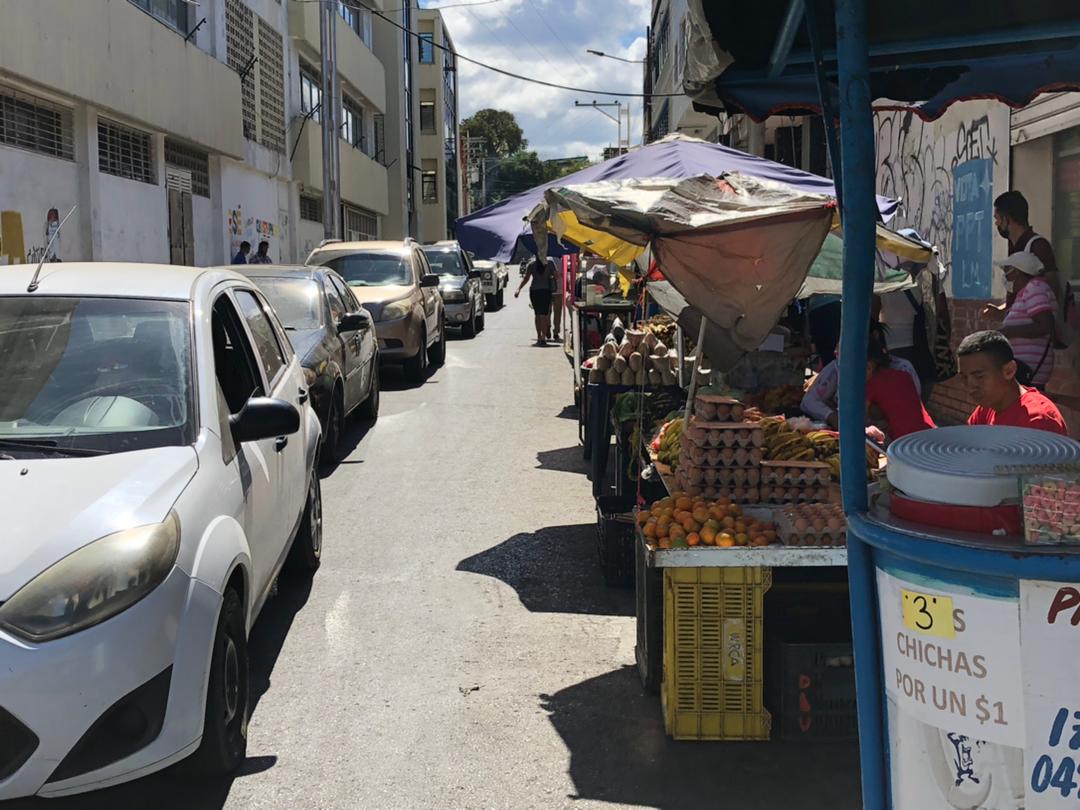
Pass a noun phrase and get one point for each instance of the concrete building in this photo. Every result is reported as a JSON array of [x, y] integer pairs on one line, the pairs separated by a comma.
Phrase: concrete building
[[441, 189], [397, 51], [181, 129]]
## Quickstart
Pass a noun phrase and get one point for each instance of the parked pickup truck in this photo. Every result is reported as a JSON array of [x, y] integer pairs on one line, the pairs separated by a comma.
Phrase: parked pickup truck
[[495, 278]]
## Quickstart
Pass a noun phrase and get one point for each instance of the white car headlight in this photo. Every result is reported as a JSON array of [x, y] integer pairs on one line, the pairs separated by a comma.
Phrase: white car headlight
[[93, 583], [453, 294], [395, 310]]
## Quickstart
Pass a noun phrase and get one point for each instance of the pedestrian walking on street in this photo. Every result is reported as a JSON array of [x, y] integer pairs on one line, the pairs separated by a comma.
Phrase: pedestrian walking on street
[[261, 256], [242, 253], [557, 304], [540, 276]]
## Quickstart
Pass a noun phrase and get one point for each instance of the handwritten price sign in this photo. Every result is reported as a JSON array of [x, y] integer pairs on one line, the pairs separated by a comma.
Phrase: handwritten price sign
[[928, 614]]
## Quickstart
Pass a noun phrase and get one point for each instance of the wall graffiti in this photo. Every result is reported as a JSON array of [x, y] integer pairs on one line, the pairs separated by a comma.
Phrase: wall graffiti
[[253, 230], [13, 249], [917, 160]]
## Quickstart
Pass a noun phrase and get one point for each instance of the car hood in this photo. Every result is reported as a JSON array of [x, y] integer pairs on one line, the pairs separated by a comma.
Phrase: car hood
[[381, 295], [304, 342], [59, 505], [452, 282]]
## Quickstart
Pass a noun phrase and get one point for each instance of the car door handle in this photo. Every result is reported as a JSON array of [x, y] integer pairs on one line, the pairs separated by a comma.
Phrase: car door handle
[[280, 442], [302, 395]]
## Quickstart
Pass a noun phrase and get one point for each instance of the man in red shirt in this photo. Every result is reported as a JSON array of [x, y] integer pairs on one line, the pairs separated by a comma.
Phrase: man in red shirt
[[989, 371]]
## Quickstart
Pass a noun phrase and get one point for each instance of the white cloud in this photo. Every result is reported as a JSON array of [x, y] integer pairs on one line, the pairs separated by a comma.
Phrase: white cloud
[[547, 39]]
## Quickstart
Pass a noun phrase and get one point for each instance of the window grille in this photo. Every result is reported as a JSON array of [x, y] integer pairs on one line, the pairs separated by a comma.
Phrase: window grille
[[271, 88], [125, 152], [239, 49], [310, 208], [380, 138], [360, 225], [181, 156], [29, 122]]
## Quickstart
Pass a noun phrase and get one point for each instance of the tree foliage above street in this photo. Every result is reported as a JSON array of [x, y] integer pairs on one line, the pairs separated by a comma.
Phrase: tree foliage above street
[[524, 170], [499, 130]]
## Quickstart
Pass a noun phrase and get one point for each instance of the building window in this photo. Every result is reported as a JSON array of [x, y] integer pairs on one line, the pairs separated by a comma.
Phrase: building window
[[310, 90], [660, 46], [359, 20], [360, 225], [352, 123], [429, 181], [126, 152], [174, 13], [427, 116], [310, 208], [195, 161], [29, 122], [660, 123], [271, 88], [427, 49], [239, 51]]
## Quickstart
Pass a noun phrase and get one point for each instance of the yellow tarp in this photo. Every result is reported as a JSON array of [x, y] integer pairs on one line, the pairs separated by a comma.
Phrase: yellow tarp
[[608, 247]]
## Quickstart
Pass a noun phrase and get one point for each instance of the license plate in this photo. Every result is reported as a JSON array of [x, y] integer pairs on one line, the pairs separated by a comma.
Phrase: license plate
[[928, 613]]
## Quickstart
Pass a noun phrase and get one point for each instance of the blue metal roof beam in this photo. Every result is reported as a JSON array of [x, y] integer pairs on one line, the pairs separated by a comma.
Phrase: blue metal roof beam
[[989, 39], [785, 38]]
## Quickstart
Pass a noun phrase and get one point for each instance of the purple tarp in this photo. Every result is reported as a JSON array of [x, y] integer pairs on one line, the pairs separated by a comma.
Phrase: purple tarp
[[493, 232]]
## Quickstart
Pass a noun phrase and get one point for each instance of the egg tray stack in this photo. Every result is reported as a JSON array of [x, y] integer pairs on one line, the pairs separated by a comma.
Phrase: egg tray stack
[[795, 482], [811, 524], [721, 459]]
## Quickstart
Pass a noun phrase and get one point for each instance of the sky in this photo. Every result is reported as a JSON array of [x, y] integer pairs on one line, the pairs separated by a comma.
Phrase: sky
[[547, 39]]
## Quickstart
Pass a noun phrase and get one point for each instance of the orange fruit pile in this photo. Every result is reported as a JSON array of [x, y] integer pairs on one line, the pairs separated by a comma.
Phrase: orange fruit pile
[[680, 521]]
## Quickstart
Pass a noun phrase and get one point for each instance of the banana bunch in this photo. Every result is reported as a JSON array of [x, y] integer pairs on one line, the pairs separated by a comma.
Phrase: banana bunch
[[834, 462], [786, 444], [670, 443], [825, 443]]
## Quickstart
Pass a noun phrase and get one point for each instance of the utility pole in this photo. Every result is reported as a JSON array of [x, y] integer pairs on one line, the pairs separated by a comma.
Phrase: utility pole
[[329, 117], [617, 118]]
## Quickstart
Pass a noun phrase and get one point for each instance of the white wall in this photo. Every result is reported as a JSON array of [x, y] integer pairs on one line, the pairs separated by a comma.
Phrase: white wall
[[30, 185], [133, 220], [254, 207], [209, 249], [309, 234]]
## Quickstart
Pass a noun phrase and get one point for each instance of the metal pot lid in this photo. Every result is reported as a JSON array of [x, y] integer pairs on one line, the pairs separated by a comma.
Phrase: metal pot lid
[[956, 465]]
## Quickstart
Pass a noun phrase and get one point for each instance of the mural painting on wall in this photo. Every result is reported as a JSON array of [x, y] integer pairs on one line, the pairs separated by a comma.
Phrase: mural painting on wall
[[919, 166], [972, 215], [13, 248], [253, 230]]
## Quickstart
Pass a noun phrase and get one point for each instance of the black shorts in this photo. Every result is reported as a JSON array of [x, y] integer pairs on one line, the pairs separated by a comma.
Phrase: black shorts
[[541, 301]]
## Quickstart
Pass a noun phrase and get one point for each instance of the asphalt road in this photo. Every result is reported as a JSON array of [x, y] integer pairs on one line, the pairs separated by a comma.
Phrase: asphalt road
[[458, 648]]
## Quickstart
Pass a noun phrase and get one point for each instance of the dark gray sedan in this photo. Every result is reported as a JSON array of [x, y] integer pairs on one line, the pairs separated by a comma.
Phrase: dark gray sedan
[[334, 337]]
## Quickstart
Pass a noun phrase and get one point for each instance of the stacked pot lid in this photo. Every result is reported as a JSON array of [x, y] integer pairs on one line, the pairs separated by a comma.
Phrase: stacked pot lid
[[957, 465]]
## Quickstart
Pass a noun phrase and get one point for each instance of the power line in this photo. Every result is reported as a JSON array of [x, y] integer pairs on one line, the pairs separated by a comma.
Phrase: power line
[[555, 33], [587, 90]]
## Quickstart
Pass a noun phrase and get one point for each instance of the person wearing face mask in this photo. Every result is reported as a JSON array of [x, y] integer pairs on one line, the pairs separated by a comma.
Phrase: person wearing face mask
[[1029, 317]]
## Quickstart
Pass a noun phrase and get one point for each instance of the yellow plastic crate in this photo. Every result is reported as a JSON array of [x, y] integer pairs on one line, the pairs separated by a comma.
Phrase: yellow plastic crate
[[713, 657]]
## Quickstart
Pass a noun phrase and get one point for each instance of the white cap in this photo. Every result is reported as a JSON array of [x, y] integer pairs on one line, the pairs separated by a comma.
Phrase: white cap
[[1024, 262]]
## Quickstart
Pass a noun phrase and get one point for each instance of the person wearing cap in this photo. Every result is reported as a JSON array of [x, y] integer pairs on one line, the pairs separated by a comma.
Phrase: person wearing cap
[[1029, 319], [988, 369]]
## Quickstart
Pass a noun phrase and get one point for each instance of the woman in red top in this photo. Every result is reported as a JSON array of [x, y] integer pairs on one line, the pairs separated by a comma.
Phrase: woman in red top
[[892, 393]]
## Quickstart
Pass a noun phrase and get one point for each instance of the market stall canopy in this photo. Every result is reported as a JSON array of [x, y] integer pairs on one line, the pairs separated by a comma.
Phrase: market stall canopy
[[757, 58], [494, 231], [737, 247], [895, 252]]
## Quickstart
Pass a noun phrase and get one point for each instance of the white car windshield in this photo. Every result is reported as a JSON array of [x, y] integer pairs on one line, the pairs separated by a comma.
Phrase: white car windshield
[[95, 374], [369, 269]]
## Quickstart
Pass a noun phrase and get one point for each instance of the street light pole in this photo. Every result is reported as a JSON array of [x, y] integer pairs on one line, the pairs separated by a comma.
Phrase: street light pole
[[617, 118], [617, 58]]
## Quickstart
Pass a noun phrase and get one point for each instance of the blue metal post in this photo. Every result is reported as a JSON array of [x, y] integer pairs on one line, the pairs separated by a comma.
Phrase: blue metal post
[[859, 216]]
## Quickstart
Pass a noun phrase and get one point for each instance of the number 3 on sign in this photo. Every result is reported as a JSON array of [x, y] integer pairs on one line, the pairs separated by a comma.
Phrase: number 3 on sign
[[927, 613]]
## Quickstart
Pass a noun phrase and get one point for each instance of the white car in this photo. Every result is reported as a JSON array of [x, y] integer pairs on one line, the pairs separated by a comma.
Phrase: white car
[[495, 278], [157, 468]]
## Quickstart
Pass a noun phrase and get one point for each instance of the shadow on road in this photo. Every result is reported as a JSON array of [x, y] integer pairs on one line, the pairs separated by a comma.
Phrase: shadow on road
[[178, 787], [619, 753], [355, 431], [553, 570], [564, 459], [568, 412], [393, 378]]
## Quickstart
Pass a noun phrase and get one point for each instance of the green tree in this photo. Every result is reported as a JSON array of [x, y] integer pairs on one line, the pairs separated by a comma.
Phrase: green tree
[[524, 170], [499, 129]]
